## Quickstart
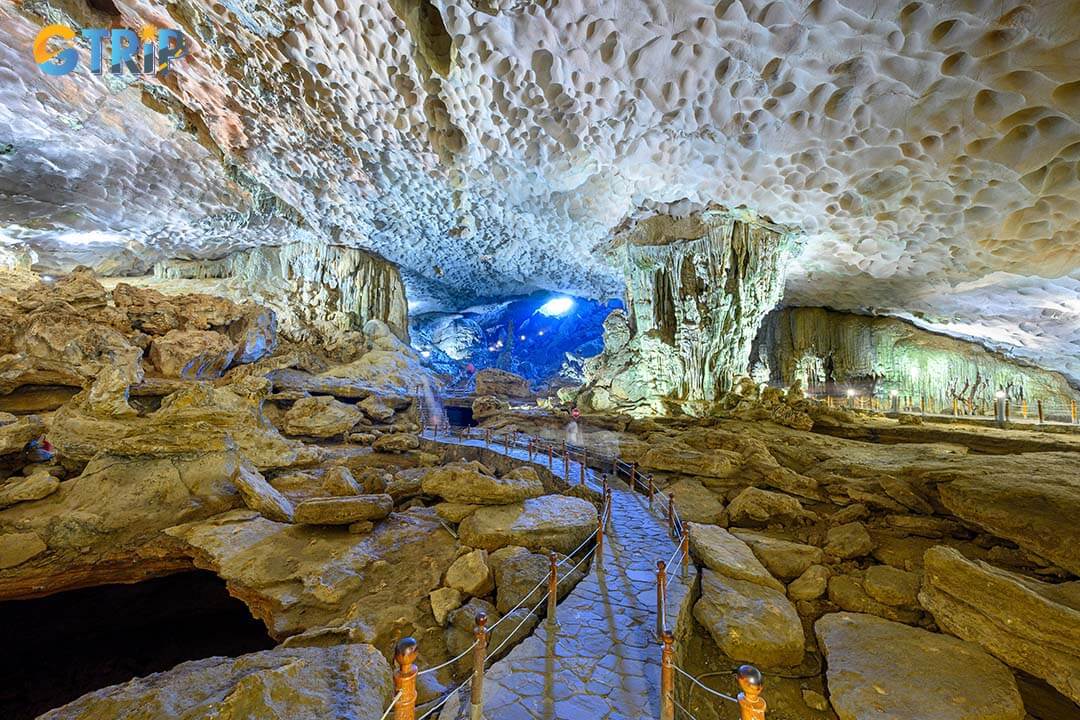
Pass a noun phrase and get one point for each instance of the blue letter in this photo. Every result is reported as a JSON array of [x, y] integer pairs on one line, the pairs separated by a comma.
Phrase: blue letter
[[171, 46], [96, 38], [124, 53]]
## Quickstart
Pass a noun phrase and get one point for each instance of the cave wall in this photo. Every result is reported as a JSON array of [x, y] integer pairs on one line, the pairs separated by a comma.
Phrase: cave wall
[[697, 288], [321, 293], [831, 351]]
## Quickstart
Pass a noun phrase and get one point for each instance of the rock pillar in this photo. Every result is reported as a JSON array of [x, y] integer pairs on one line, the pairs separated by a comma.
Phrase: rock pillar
[[697, 288]]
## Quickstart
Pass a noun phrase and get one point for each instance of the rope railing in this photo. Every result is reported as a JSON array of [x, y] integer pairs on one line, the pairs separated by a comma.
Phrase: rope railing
[[751, 705], [1060, 410]]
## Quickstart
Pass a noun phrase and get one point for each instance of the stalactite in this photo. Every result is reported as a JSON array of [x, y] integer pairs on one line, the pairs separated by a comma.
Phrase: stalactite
[[697, 288]]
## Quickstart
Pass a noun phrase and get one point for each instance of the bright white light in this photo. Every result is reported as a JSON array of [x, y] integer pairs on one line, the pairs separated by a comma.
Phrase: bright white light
[[540, 333], [851, 393], [94, 237], [491, 348], [425, 353], [522, 337], [894, 393], [1000, 395], [557, 306]]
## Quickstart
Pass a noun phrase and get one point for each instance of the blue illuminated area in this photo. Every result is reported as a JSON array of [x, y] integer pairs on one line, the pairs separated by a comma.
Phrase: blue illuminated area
[[557, 306], [543, 337]]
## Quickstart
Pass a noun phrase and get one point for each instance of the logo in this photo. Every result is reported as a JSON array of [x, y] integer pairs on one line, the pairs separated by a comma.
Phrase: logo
[[148, 52]]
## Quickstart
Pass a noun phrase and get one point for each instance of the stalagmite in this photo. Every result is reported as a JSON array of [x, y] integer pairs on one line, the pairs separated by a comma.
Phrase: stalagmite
[[696, 291]]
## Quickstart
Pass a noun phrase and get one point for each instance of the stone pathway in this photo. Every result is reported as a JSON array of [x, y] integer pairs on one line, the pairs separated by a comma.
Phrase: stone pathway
[[601, 660]]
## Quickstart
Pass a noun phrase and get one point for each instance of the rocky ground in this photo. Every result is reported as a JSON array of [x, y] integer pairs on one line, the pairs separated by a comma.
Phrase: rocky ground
[[870, 567], [185, 433]]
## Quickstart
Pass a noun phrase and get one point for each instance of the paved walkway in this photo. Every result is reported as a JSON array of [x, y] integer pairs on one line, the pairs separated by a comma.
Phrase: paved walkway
[[601, 660]]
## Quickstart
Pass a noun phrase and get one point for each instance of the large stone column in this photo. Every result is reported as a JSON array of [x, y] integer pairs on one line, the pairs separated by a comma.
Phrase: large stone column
[[697, 289]]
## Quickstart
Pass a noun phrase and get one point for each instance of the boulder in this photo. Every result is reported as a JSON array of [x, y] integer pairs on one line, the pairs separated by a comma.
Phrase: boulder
[[444, 601], [485, 406], [343, 510], [192, 354], [339, 482], [783, 558], [892, 586], [754, 507], [1037, 513], [261, 496], [455, 512], [883, 669], [500, 383], [555, 522], [255, 333], [300, 683], [321, 416], [848, 593], [684, 460], [374, 407], [517, 572], [696, 503], [15, 434], [396, 443], [1031, 625], [848, 541], [750, 622], [471, 483], [811, 584], [18, 547], [23, 489], [471, 575], [726, 554]]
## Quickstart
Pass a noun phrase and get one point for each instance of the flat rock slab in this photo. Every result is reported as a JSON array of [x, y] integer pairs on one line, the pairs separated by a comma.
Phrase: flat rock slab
[[879, 669], [1031, 625], [555, 522], [307, 683], [726, 554], [471, 483], [750, 622], [782, 558], [343, 510], [321, 416]]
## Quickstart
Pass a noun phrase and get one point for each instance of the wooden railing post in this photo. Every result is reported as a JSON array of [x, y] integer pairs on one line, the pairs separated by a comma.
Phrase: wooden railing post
[[476, 697], [652, 490], [751, 704], [551, 456], [600, 537], [1038, 404], [671, 514], [405, 679], [1073, 407], [530, 449], [667, 678], [633, 476], [553, 585], [610, 505], [487, 438], [566, 463], [685, 546], [584, 461], [661, 598]]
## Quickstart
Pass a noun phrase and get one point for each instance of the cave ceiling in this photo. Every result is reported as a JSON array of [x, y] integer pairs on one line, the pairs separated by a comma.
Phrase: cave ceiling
[[928, 151]]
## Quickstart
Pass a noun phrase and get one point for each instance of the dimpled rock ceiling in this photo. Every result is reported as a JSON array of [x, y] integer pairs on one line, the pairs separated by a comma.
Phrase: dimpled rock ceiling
[[930, 151]]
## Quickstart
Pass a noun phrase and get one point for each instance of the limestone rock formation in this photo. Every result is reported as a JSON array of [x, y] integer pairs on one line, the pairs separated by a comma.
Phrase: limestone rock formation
[[750, 622], [301, 683], [502, 384], [726, 554], [192, 354], [321, 416], [106, 525], [472, 483], [698, 287], [343, 510], [784, 559], [1028, 624], [555, 522], [878, 355], [321, 293], [471, 574], [371, 585], [878, 668]]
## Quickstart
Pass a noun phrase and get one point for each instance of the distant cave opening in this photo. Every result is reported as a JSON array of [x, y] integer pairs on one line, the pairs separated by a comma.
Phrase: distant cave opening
[[459, 416], [105, 6], [60, 647]]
